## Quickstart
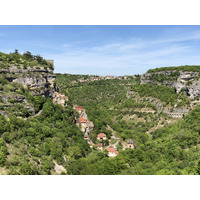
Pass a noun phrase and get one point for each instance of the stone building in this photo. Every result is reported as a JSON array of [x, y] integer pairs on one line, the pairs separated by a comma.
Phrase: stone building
[[130, 144], [60, 99], [112, 151], [101, 136]]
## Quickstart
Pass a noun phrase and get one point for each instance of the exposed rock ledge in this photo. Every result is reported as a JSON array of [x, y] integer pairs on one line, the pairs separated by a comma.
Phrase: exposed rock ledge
[[187, 80]]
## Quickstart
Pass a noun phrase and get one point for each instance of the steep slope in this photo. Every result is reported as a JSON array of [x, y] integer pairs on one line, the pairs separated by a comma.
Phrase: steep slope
[[183, 78], [30, 143], [21, 78], [163, 144]]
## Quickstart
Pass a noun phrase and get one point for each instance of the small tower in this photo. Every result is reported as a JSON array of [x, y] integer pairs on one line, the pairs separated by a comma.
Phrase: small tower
[[130, 144]]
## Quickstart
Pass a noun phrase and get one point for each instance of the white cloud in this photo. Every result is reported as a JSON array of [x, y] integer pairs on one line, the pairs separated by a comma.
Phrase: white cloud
[[127, 57]]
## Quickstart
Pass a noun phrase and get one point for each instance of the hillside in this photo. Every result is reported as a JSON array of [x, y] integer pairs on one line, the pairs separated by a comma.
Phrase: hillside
[[37, 129], [183, 78], [155, 116], [81, 124]]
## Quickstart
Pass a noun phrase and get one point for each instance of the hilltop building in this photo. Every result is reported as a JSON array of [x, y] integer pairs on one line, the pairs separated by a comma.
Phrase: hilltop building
[[85, 124], [101, 136], [130, 144], [79, 109], [112, 151], [60, 99]]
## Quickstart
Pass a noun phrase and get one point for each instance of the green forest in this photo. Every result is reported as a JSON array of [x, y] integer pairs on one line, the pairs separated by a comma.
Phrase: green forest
[[193, 68], [172, 149], [22, 61]]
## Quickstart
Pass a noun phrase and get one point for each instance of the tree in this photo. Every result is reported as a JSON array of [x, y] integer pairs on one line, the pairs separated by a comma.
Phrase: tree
[[74, 152], [28, 55], [26, 169], [39, 58], [2, 159], [16, 52], [3, 124], [48, 108]]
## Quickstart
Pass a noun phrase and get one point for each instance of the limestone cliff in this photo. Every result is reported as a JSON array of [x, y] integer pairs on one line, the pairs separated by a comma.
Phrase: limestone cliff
[[39, 81], [189, 81]]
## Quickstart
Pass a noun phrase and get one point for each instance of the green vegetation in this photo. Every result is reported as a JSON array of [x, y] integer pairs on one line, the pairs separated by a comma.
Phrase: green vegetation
[[23, 61], [169, 150], [161, 78], [164, 93], [172, 150], [193, 68], [31, 142]]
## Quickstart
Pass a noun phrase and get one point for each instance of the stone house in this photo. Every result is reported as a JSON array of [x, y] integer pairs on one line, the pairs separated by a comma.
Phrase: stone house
[[79, 109], [60, 99], [83, 123], [90, 125], [86, 125], [130, 144], [112, 151], [101, 136]]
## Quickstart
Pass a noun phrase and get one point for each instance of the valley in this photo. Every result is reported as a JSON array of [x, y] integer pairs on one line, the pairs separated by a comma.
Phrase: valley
[[101, 125]]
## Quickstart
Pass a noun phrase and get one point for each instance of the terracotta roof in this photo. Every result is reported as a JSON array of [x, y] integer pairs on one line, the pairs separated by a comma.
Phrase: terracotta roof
[[112, 150], [101, 135], [79, 108], [82, 120]]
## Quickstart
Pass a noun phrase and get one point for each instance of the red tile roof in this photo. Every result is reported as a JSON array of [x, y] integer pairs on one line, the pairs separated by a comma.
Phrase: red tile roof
[[111, 149], [82, 120], [101, 135], [79, 108]]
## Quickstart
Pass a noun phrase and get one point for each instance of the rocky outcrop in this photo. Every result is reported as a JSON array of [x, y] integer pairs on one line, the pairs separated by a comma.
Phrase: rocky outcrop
[[16, 98], [40, 81], [20, 70], [188, 81]]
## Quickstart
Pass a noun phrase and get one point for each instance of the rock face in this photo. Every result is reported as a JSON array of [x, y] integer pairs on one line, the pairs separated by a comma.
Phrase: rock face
[[39, 81], [188, 81]]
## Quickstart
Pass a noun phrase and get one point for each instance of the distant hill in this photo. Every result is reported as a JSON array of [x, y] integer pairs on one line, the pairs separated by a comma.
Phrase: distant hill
[[37, 128], [192, 68]]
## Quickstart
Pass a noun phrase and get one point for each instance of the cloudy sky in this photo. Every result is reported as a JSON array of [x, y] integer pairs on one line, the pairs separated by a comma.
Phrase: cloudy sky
[[106, 50]]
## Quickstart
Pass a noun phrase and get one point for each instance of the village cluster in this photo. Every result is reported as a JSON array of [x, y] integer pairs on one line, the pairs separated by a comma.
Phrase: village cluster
[[98, 78], [86, 126], [60, 99]]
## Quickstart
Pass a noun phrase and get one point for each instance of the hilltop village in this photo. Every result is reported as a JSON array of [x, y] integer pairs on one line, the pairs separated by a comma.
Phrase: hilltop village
[[98, 78]]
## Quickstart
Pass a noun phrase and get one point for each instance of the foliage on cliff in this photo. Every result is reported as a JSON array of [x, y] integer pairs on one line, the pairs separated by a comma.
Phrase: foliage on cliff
[[23, 61], [193, 68], [30, 146]]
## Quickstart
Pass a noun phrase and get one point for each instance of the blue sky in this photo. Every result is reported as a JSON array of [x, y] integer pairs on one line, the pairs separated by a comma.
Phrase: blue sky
[[106, 50]]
